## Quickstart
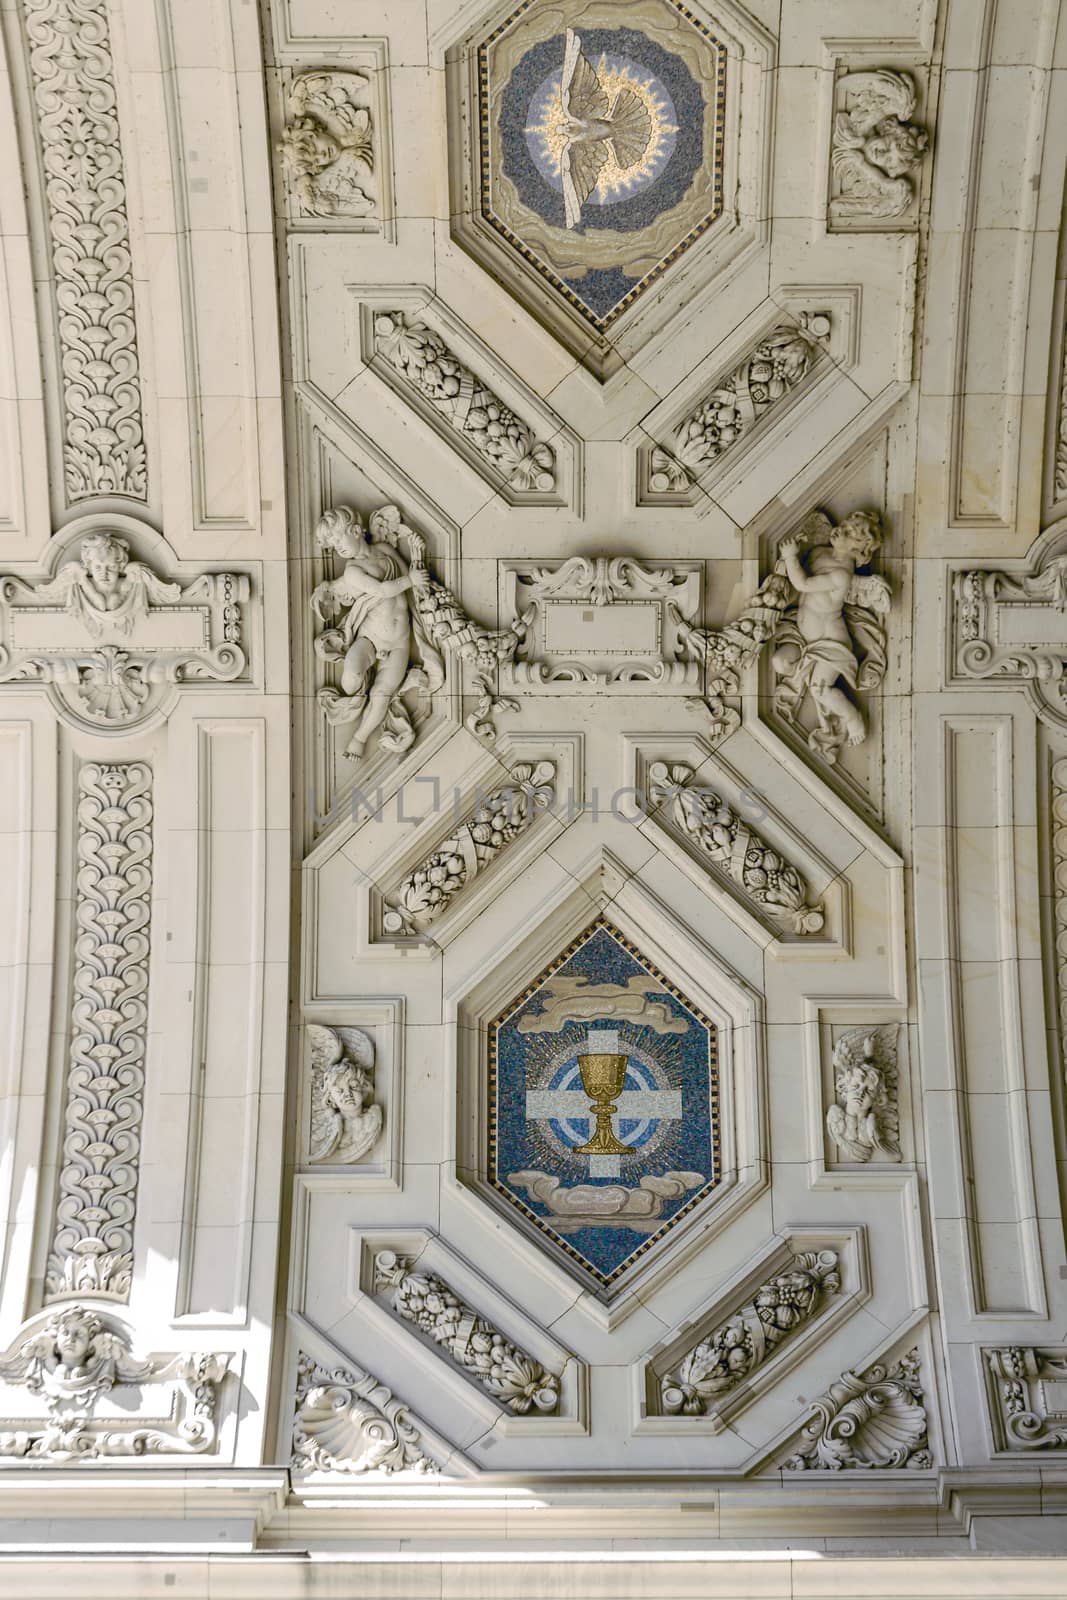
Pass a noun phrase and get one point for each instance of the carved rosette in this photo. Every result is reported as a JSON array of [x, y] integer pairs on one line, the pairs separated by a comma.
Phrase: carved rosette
[[751, 1335], [417, 356], [734, 848], [346, 1421], [877, 1419], [92, 1244], [430, 888], [1023, 1417], [85, 195], [75, 1359], [431, 1305], [738, 401]]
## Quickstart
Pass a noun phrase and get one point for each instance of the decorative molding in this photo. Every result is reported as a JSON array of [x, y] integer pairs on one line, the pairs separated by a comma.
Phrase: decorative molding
[[874, 1420], [738, 401], [72, 1361], [345, 1124], [751, 1335], [396, 624], [864, 1117], [1028, 1397], [733, 847], [428, 890], [604, 620], [875, 148], [426, 1300], [1058, 819], [92, 1244], [346, 1421], [1012, 628], [327, 146], [108, 635], [85, 195], [829, 641], [1059, 466], [420, 366]]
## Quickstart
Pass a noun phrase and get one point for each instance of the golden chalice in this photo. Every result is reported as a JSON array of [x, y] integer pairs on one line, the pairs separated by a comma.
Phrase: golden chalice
[[602, 1078]]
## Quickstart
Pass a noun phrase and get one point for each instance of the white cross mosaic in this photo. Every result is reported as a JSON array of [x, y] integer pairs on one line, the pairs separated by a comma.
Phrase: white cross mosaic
[[572, 1106]]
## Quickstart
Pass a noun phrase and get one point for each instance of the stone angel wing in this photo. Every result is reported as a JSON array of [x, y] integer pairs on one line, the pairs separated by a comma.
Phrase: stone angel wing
[[873, 96], [29, 1358], [327, 96], [327, 1123], [870, 591], [59, 589]]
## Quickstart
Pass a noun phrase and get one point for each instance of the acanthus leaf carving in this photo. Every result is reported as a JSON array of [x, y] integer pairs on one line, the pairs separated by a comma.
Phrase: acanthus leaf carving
[[736, 1349], [876, 146], [92, 1244], [396, 624], [868, 1420], [864, 1118], [85, 196], [1023, 1415], [509, 1374], [419, 357], [74, 1359], [734, 847], [327, 145], [139, 633], [346, 1421], [345, 1123], [429, 889], [824, 618], [738, 401]]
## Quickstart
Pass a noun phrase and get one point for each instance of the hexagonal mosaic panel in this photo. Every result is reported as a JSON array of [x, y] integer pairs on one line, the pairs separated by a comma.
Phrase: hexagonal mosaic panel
[[604, 1104]]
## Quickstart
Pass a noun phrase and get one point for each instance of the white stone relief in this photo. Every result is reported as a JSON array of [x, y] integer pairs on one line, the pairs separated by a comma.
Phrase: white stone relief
[[864, 1119], [346, 1421], [509, 1374], [824, 619], [92, 1244], [874, 1419], [109, 636], [876, 146], [463, 402], [1058, 821], [427, 892], [1013, 627], [1026, 1386], [604, 620], [734, 847], [1059, 468], [76, 1358], [738, 401], [85, 195], [345, 1122], [752, 1334], [396, 620], [327, 147]]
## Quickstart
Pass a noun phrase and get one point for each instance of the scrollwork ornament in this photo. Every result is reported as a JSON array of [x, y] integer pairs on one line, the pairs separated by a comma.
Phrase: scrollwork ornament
[[1022, 1416], [424, 1299], [873, 1420], [348, 1422]]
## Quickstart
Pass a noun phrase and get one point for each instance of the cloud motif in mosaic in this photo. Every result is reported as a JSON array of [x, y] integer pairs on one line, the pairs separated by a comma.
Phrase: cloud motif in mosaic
[[603, 1117]]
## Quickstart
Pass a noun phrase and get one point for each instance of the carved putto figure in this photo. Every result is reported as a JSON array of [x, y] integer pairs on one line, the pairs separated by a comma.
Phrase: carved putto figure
[[875, 145], [326, 147], [833, 642], [395, 621], [72, 1360], [104, 589], [345, 1124], [864, 1117]]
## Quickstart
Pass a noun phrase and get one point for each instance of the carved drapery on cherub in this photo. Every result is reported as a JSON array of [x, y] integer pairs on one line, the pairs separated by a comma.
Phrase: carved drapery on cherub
[[864, 1116], [345, 1123], [396, 625], [326, 147], [875, 146], [824, 619]]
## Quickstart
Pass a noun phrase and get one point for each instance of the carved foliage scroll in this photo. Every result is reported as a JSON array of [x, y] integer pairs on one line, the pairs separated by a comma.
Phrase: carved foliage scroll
[[85, 195], [1028, 1395], [92, 1245], [346, 1421], [873, 1419]]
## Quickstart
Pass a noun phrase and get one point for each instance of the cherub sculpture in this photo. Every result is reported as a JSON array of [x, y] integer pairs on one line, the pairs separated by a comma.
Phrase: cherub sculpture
[[326, 146], [834, 642], [344, 1124], [876, 145], [104, 589], [71, 1361], [864, 1117], [593, 122]]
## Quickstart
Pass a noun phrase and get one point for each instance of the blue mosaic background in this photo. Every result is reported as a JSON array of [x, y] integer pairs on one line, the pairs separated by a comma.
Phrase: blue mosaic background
[[602, 289], [527, 1061]]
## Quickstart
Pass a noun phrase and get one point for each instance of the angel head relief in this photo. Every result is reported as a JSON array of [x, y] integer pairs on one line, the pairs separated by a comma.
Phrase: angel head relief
[[599, 133]]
